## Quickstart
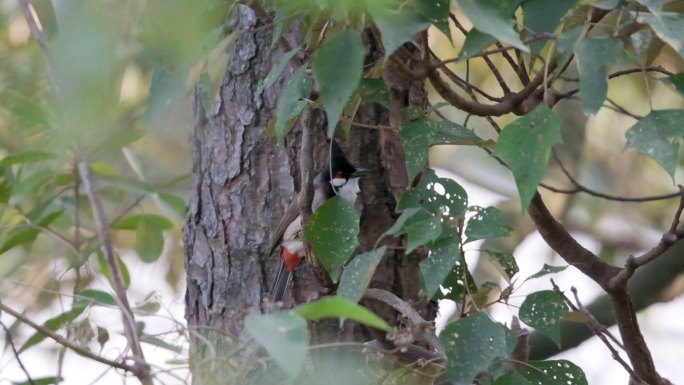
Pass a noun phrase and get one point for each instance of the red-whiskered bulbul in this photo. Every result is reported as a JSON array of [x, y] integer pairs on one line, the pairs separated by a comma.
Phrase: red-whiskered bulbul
[[338, 177]]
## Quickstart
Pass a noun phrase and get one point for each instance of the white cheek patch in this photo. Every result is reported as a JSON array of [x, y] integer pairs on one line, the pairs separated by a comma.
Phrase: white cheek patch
[[338, 182], [350, 190]]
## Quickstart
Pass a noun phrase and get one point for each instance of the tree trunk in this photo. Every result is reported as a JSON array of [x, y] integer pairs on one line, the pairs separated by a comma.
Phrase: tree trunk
[[241, 185]]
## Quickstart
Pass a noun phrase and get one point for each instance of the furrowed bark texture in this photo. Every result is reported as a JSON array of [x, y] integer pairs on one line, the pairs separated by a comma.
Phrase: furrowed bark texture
[[241, 185]]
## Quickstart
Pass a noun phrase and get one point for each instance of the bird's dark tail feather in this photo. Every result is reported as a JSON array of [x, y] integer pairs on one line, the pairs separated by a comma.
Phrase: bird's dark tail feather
[[283, 278]]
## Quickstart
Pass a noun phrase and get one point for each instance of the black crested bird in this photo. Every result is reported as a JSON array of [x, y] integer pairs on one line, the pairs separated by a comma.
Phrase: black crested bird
[[338, 177]]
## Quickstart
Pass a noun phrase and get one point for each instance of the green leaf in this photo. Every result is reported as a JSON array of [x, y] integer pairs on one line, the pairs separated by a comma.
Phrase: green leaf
[[546, 270], [475, 42], [444, 255], [543, 310], [436, 12], [19, 236], [166, 89], [277, 69], [415, 138], [30, 185], [332, 232], [397, 26], [95, 297], [123, 269], [473, 344], [657, 136], [494, 18], [358, 273], [445, 132], [561, 372], [398, 226], [486, 223], [338, 64], [172, 205], [374, 91], [27, 157], [525, 146], [126, 184], [542, 16], [336, 307], [149, 240], [421, 229], [160, 343], [132, 222], [53, 324], [40, 381], [441, 196], [593, 55], [291, 101], [284, 337], [505, 263], [677, 81], [669, 26]]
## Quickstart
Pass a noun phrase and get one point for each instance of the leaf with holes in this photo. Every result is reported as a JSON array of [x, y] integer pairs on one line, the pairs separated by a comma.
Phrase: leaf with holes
[[505, 263], [593, 55], [441, 196], [444, 255], [291, 102], [332, 232], [374, 91], [358, 273], [561, 372], [338, 64], [657, 136], [336, 307], [421, 229], [486, 223], [473, 344], [546, 270], [445, 132], [494, 17], [543, 310], [416, 137], [284, 337], [525, 146]]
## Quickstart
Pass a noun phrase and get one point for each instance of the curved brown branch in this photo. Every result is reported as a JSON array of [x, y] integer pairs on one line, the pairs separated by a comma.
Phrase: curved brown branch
[[659, 69]]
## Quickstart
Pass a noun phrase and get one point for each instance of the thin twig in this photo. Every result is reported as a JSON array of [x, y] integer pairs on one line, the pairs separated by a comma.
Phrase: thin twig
[[64, 342], [142, 370], [10, 342]]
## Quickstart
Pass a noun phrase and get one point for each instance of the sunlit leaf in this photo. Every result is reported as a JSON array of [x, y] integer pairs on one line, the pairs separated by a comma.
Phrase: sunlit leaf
[[27, 157], [358, 273], [337, 307]]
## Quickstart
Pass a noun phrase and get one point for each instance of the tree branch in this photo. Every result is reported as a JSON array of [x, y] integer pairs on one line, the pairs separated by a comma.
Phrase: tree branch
[[142, 369], [64, 342]]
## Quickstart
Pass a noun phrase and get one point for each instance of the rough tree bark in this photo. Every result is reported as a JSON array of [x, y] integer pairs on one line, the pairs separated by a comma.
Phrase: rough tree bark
[[241, 184]]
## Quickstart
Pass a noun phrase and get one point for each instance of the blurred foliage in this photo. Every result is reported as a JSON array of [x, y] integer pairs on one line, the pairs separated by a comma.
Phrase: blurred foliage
[[112, 91]]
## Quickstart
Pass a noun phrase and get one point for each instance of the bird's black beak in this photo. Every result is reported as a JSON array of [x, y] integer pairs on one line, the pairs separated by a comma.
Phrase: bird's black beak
[[359, 172]]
